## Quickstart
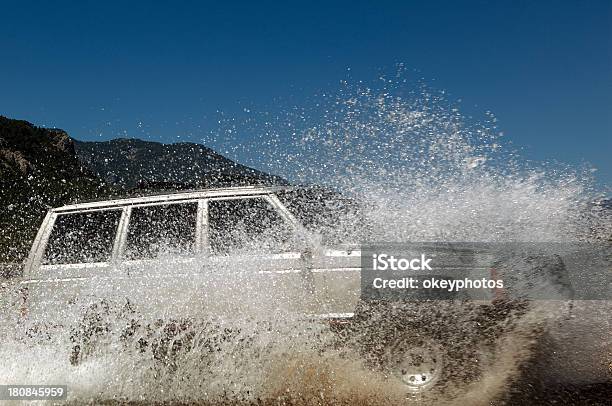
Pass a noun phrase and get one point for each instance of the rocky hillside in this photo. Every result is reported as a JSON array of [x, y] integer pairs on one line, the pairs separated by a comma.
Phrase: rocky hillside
[[137, 164], [38, 169]]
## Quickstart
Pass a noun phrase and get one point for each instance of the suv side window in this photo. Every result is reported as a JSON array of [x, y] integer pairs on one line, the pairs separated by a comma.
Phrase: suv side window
[[82, 237], [161, 229], [249, 225]]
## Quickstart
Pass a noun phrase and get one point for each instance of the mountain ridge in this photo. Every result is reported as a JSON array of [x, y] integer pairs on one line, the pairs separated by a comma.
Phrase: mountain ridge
[[132, 163]]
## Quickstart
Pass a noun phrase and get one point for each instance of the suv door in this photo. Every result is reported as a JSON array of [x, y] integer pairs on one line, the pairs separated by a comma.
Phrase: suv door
[[158, 259], [252, 242]]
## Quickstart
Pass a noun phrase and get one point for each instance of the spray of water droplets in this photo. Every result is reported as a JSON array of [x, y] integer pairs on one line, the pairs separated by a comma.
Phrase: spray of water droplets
[[421, 170]]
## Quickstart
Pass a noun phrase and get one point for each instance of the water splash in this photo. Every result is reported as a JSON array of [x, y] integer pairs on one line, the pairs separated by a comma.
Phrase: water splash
[[421, 169], [420, 164]]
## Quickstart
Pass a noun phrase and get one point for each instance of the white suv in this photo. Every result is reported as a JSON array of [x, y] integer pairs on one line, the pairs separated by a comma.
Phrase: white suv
[[238, 251], [180, 243]]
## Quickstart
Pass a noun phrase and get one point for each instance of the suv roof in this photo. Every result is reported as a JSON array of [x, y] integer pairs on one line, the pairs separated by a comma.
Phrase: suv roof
[[175, 196]]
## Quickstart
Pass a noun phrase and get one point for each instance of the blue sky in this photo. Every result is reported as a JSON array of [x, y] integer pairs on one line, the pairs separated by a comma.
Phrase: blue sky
[[160, 70]]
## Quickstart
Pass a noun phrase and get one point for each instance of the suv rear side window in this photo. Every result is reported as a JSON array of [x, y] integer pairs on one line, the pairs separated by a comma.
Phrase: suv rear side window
[[162, 229], [82, 237], [250, 225]]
